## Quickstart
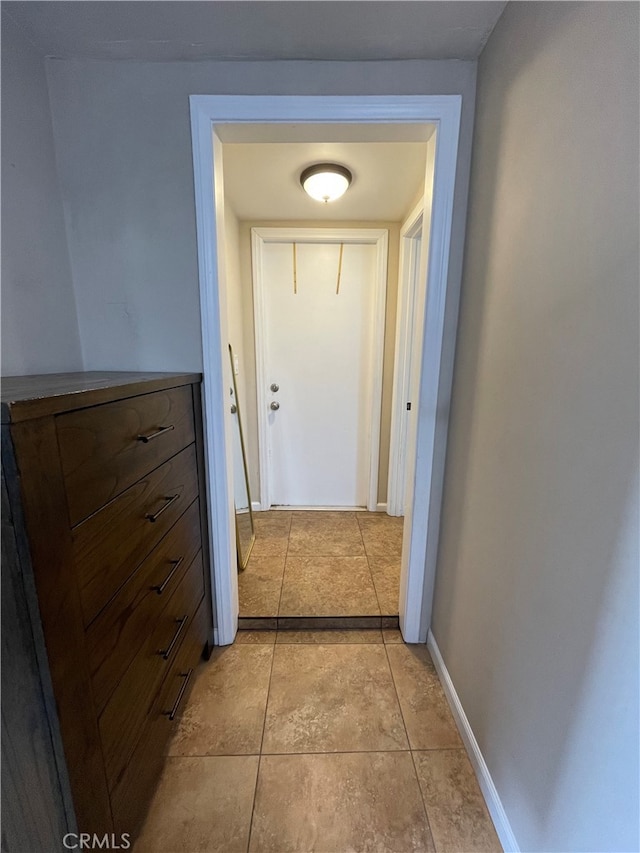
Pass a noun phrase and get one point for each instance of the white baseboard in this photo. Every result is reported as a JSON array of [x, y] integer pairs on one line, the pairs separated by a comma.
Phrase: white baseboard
[[489, 791], [256, 506]]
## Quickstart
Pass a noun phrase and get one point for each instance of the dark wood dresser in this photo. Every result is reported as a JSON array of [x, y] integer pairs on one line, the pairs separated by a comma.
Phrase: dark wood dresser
[[108, 602]]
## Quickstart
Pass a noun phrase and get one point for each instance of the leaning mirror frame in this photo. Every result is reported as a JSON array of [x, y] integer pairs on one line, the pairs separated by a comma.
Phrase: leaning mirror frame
[[244, 544]]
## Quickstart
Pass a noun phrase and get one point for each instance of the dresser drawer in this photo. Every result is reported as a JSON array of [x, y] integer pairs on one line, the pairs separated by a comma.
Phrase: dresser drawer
[[123, 717], [136, 784], [116, 635], [105, 449], [110, 544]]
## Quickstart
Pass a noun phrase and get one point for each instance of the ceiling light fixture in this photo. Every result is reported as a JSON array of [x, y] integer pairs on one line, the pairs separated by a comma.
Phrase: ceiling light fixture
[[325, 181]]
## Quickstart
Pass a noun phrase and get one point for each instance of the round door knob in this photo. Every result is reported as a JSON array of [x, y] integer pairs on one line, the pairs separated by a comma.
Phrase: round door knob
[[275, 406], [234, 409], [275, 387]]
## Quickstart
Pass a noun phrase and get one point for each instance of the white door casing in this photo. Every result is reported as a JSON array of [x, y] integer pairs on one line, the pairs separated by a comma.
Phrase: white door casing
[[426, 446], [325, 352], [406, 355]]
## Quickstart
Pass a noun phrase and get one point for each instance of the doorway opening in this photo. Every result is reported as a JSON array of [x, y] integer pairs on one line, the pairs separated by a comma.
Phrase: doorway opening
[[319, 302], [215, 120]]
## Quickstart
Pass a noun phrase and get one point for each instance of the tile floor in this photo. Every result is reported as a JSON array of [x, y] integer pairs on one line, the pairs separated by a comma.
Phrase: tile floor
[[322, 564], [328, 741]]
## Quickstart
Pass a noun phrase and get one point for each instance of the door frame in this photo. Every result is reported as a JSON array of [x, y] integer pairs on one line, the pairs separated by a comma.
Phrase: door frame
[[426, 456], [377, 237], [408, 275]]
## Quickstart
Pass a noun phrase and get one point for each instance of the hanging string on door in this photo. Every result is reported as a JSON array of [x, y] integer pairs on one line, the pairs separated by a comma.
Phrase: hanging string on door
[[339, 269], [295, 271]]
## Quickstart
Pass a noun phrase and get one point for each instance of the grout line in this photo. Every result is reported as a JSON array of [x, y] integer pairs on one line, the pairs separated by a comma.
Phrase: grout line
[[337, 752], [411, 751], [284, 569], [424, 805], [393, 681], [264, 724], [366, 556], [441, 749], [318, 752]]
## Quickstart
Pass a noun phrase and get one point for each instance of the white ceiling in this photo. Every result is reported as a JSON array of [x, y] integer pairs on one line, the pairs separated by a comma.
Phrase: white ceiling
[[262, 181], [172, 30]]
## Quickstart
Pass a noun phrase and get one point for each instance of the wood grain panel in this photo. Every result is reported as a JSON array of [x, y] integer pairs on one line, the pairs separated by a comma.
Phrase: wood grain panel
[[42, 491], [134, 789], [204, 516], [111, 543], [101, 450], [33, 804], [123, 718], [27, 397], [119, 631]]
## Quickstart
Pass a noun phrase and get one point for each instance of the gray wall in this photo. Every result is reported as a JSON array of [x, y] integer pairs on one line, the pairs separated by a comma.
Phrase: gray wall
[[39, 323], [536, 603], [124, 151]]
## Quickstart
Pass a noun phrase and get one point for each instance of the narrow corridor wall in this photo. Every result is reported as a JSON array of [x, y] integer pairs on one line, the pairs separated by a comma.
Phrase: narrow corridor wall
[[536, 600], [39, 321]]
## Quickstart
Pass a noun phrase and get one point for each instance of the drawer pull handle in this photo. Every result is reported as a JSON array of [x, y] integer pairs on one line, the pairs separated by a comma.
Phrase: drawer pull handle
[[160, 431], [154, 516], [160, 588], [171, 714], [166, 653]]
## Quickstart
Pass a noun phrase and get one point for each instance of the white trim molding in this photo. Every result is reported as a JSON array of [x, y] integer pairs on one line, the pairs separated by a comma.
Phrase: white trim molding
[[487, 786], [377, 237], [424, 489], [408, 272]]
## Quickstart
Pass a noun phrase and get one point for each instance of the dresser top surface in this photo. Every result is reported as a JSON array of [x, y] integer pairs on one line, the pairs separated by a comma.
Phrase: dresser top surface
[[27, 397]]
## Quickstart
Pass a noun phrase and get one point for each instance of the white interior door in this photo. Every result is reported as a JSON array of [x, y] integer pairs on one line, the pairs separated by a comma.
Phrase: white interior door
[[407, 359], [318, 328]]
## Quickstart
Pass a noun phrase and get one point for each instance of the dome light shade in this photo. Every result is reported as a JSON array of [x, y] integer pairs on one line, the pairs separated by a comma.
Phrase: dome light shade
[[325, 181]]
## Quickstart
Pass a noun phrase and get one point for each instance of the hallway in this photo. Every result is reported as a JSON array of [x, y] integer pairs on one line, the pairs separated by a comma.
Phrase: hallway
[[357, 751], [322, 564]]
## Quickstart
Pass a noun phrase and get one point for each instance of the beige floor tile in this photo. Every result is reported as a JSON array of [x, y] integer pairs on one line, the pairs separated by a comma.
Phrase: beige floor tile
[[256, 637], [331, 698], [385, 573], [201, 805], [315, 637], [328, 586], [269, 546], [426, 713], [259, 586], [325, 534], [273, 523], [272, 533], [379, 518], [225, 712], [457, 812], [337, 803], [381, 534], [392, 635]]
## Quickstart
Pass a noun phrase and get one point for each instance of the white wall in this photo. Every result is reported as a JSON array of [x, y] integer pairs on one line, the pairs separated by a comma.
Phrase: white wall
[[39, 323], [124, 152], [536, 602]]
